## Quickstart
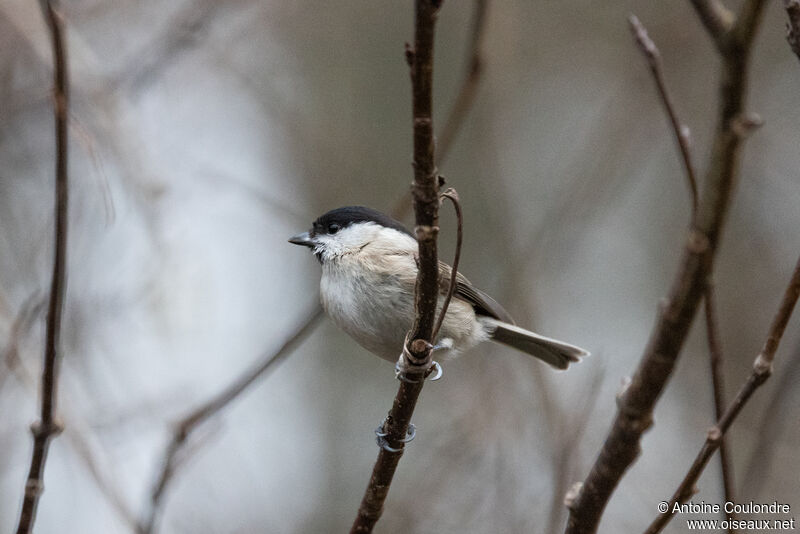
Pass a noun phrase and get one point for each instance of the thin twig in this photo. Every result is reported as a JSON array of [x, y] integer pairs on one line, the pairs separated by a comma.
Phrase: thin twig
[[717, 19], [426, 209], [47, 427], [718, 383], [209, 409], [186, 426], [569, 439], [762, 370], [793, 26], [452, 194], [681, 133], [771, 429], [463, 103], [637, 401], [653, 56]]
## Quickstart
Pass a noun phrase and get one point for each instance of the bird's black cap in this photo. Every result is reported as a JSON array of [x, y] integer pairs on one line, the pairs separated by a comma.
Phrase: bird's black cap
[[334, 220]]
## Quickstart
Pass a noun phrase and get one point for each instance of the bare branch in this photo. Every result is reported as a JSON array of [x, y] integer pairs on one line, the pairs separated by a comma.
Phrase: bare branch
[[417, 350], [718, 382], [762, 369], [681, 132], [717, 19], [653, 56], [29, 313], [186, 426], [464, 100], [637, 401], [793, 26], [47, 427], [566, 447], [771, 428]]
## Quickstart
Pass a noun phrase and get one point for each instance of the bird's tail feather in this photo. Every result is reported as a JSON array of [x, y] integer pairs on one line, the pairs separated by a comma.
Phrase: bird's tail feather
[[556, 353]]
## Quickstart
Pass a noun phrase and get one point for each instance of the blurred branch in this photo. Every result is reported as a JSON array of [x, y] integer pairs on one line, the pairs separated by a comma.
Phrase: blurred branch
[[469, 86], [681, 132], [47, 426], [637, 401], [718, 383], [793, 26], [190, 26], [570, 435], [416, 356], [762, 369], [186, 426], [21, 325], [72, 426], [771, 428], [717, 19]]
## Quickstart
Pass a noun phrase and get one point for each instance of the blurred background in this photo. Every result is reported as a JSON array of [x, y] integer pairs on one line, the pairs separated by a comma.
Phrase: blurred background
[[205, 133]]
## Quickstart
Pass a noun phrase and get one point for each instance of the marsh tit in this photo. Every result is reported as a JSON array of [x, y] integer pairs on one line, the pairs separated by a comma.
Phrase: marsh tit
[[369, 272]]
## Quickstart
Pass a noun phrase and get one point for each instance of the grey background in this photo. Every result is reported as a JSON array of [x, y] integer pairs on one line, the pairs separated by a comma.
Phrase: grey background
[[205, 133]]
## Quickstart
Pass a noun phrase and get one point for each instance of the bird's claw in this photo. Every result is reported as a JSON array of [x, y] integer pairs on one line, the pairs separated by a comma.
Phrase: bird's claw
[[435, 369], [383, 443]]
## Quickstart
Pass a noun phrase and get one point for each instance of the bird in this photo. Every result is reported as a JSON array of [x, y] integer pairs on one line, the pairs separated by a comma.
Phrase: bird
[[369, 270]]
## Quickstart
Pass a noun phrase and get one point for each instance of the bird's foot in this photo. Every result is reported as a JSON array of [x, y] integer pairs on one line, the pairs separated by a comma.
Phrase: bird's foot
[[400, 372], [383, 443], [414, 370]]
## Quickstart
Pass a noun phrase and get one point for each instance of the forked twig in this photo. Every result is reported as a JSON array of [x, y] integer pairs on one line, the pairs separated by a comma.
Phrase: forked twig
[[48, 426], [636, 403], [762, 369], [653, 56], [681, 132]]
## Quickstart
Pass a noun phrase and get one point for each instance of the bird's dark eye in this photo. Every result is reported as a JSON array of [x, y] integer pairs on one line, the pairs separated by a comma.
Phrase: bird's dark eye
[[333, 228]]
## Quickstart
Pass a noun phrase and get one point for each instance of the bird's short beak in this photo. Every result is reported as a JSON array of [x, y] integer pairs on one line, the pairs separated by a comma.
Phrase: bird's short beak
[[303, 239]]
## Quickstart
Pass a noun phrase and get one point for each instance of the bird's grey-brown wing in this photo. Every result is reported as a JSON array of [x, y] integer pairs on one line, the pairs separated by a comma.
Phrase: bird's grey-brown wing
[[482, 303]]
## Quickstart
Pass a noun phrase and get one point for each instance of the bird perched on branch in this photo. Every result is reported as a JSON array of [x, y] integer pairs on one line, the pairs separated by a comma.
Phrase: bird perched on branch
[[369, 272]]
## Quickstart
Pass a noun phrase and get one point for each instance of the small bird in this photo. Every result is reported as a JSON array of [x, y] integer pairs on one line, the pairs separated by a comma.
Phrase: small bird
[[369, 271]]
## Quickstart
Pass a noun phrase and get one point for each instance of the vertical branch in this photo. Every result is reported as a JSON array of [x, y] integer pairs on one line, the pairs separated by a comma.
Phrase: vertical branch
[[637, 401], [762, 370], [681, 132], [425, 189], [464, 100], [718, 382], [47, 426]]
